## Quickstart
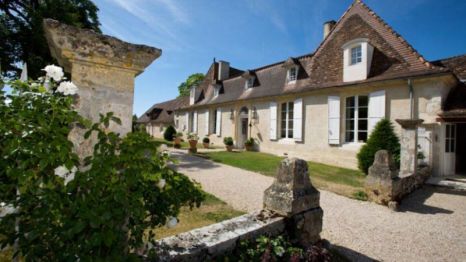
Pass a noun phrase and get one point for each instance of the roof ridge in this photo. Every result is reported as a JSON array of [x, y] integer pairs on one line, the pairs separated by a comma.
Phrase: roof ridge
[[447, 58], [397, 35]]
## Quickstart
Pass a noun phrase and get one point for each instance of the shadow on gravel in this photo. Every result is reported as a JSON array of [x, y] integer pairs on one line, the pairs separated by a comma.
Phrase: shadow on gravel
[[415, 202], [344, 254], [192, 162]]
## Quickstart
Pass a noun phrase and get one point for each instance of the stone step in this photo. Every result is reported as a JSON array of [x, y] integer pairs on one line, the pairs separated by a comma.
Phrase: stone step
[[452, 183]]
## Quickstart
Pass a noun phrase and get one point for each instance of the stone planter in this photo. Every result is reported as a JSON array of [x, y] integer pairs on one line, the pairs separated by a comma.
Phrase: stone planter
[[177, 142], [206, 145], [192, 144], [229, 148], [249, 147]]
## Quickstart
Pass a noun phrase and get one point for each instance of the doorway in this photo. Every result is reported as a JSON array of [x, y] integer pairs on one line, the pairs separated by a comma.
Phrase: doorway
[[461, 148], [449, 156], [243, 127]]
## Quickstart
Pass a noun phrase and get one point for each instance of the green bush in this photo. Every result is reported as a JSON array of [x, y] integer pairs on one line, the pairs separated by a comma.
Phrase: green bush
[[169, 133], [58, 208], [206, 140], [382, 137], [228, 141]]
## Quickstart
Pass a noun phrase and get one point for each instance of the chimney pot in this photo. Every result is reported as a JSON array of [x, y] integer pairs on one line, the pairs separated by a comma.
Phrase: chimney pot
[[328, 27]]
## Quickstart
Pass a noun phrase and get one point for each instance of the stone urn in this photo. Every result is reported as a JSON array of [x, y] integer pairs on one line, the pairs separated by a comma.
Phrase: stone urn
[[192, 144], [249, 147], [229, 148], [206, 145]]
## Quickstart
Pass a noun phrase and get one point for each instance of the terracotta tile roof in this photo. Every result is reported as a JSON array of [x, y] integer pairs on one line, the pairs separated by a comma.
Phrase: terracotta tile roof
[[456, 64], [163, 112], [393, 58]]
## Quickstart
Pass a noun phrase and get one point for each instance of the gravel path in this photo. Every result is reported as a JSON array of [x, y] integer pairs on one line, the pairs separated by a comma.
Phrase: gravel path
[[431, 225]]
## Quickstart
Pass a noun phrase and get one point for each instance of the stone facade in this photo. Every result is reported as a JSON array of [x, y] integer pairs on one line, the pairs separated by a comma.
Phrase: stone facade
[[291, 207], [104, 69]]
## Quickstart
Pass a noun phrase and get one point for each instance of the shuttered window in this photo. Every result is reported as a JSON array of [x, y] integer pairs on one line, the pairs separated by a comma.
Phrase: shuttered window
[[356, 116], [286, 124]]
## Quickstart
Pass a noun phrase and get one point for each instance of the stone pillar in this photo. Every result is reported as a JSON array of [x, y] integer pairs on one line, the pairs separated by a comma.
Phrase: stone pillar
[[408, 154], [104, 69], [379, 183], [293, 196]]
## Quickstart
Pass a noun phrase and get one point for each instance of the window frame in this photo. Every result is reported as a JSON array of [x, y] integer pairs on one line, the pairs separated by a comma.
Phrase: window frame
[[288, 75], [249, 83], [356, 119], [214, 119], [358, 54], [289, 119]]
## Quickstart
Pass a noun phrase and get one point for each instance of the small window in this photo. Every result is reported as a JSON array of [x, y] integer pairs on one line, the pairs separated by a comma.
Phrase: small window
[[356, 118], [356, 55], [214, 119], [292, 74], [249, 83]]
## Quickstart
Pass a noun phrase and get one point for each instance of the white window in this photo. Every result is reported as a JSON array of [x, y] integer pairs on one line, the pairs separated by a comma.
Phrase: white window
[[249, 83], [192, 94], [214, 119], [286, 127], [216, 91], [356, 55], [356, 118], [292, 74]]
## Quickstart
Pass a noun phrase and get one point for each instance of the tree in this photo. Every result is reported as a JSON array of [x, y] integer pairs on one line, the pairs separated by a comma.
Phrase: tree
[[193, 80], [382, 137], [22, 35]]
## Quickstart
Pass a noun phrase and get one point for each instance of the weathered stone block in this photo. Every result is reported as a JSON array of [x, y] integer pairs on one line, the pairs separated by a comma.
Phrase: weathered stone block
[[292, 191], [305, 228]]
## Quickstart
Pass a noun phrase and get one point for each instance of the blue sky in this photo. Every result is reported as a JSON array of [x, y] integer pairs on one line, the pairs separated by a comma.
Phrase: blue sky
[[253, 33]]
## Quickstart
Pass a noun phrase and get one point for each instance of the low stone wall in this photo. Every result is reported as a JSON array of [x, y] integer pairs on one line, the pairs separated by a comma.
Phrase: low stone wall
[[385, 186], [291, 207]]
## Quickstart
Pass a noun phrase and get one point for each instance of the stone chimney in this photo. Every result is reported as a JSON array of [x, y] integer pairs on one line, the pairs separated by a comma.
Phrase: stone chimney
[[223, 70], [328, 27]]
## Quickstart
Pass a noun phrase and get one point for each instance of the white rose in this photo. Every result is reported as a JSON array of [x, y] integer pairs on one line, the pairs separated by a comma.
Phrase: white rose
[[161, 184], [6, 210], [61, 171], [54, 72], [67, 88], [172, 222]]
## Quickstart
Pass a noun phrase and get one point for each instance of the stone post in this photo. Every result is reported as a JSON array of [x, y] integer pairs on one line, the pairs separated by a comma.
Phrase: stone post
[[408, 154], [103, 68], [293, 196], [379, 183]]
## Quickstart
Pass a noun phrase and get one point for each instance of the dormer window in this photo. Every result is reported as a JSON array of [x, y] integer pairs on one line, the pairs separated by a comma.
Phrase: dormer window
[[216, 91], [249, 82], [356, 55], [292, 75], [357, 59], [192, 95]]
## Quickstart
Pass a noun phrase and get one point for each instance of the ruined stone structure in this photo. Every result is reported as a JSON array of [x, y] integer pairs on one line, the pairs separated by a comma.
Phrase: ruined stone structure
[[104, 68], [291, 207]]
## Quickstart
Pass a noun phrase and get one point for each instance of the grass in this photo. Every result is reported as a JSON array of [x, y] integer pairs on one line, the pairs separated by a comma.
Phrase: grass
[[343, 181], [212, 210], [184, 144]]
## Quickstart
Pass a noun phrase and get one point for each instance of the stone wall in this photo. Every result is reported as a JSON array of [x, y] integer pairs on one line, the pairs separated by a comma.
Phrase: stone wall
[[291, 207]]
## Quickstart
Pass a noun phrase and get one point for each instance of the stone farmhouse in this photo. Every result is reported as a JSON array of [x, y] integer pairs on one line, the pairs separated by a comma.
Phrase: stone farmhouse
[[323, 106]]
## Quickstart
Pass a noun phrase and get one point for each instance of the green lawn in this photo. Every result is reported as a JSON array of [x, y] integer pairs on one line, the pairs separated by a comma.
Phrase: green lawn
[[161, 141], [339, 180], [212, 210]]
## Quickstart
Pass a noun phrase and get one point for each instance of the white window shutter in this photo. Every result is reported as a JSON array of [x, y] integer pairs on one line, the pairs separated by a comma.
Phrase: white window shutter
[[298, 119], [187, 121], [273, 121], [376, 108], [207, 123], [195, 122], [218, 122], [334, 120]]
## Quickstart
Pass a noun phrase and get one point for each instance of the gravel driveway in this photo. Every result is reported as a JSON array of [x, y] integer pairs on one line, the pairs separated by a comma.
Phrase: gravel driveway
[[431, 225]]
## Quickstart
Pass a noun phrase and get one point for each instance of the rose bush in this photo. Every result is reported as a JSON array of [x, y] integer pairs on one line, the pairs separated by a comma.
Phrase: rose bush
[[56, 207]]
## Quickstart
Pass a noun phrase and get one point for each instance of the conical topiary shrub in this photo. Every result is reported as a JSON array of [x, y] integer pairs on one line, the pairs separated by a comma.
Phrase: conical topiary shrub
[[382, 137], [169, 133]]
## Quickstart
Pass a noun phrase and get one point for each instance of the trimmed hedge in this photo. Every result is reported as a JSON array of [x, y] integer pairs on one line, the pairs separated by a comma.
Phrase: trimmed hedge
[[382, 137], [169, 133]]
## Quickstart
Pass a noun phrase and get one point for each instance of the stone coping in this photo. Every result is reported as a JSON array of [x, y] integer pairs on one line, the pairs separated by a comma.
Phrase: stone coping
[[409, 123]]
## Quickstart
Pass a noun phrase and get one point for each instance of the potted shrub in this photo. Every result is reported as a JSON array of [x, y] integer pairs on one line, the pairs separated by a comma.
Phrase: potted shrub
[[228, 141], [192, 139], [177, 139], [205, 142], [249, 144], [169, 133]]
